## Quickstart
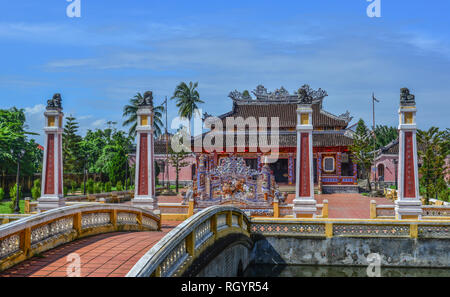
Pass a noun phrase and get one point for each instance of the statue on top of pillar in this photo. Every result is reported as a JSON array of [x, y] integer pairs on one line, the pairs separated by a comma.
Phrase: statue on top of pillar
[[55, 102], [406, 98]]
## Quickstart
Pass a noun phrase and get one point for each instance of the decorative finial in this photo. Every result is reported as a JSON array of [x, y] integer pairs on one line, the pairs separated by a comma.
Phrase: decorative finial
[[306, 95], [55, 102], [303, 96], [147, 100], [406, 98]]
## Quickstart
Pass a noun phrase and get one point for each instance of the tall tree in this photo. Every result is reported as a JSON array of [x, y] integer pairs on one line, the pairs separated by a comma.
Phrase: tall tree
[[106, 153], [178, 153], [362, 149], [13, 138], [434, 149], [72, 156], [187, 98], [130, 112]]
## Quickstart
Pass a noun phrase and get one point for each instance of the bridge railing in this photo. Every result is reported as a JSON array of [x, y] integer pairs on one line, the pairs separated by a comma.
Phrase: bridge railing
[[328, 228], [181, 246], [429, 212], [24, 238]]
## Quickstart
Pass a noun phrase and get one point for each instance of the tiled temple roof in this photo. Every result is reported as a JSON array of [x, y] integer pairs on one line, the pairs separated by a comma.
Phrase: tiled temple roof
[[286, 112], [289, 139], [393, 148]]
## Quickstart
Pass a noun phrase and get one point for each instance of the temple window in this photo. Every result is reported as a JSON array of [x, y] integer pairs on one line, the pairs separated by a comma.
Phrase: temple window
[[328, 164]]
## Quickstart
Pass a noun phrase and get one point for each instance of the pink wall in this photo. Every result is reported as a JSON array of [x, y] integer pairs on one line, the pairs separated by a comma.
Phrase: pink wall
[[185, 172], [389, 167]]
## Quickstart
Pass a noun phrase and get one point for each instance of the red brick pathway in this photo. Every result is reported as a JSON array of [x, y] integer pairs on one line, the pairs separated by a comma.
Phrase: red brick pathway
[[347, 206], [110, 254]]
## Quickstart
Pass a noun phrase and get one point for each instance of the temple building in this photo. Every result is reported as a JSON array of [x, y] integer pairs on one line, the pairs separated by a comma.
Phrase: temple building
[[334, 170]]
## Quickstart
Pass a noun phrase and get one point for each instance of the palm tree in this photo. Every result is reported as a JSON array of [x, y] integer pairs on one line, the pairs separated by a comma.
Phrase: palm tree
[[187, 100], [130, 111], [385, 135]]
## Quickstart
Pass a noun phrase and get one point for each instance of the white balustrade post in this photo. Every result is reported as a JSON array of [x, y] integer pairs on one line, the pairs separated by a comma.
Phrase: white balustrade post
[[52, 187], [408, 205], [145, 195], [305, 206]]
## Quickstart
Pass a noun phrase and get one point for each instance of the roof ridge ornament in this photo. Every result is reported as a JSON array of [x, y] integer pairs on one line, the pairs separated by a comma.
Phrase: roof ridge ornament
[[406, 98], [306, 93], [147, 100], [55, 102], [346, 116]]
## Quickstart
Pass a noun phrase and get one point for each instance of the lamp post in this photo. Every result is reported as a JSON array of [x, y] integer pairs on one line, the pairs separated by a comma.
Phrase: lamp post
[[20, 154], [130, 152], [85, 171], [395, 169]]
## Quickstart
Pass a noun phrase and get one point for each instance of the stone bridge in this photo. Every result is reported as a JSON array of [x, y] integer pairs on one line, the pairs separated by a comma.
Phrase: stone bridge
[[42, 241]]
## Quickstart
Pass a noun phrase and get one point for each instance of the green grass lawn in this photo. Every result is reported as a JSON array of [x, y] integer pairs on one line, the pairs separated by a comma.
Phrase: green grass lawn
[[4, 207]]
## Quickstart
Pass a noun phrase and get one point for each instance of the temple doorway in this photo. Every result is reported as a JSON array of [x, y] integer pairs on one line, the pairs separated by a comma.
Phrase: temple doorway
[[280, 170]]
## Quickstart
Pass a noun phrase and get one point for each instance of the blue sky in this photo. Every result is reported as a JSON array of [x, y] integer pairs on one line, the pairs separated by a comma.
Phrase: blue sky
[[117, 48]]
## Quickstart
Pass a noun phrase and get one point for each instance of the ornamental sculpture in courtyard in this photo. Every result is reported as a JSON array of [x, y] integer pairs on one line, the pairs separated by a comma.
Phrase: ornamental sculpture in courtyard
[[233, 182]]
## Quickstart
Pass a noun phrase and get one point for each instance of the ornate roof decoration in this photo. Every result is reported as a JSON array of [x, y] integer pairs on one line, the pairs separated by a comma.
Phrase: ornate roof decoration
[[280, 95], [406, 98], [307, 94], [346, 116], [147, 100], [233, 166], [55, 102]]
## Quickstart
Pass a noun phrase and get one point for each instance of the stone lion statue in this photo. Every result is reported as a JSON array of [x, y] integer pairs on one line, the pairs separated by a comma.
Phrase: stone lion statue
[[55, 102]]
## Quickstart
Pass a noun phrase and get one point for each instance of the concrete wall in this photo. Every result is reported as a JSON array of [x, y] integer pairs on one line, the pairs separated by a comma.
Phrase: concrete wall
[[227, 263], [400, 252]]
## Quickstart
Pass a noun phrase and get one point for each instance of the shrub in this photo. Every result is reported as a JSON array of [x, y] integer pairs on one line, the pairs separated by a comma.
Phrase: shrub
[[13, 194], [119, 186], [97, 187], [65, 190], [90, 186], [74, 186], [13, 191], [36, 189], [108, 187], [2, 194]]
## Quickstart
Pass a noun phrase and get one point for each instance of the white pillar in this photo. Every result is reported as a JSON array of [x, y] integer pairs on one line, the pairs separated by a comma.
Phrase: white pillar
[[145, 196], [52, 187], [305, 206], [408, 204]]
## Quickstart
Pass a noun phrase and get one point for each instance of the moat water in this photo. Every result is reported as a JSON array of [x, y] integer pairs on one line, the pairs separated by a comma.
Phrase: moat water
[[267, 270]]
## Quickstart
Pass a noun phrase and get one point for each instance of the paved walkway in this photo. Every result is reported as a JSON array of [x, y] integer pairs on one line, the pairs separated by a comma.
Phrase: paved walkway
[[110, 254], [347, 206]]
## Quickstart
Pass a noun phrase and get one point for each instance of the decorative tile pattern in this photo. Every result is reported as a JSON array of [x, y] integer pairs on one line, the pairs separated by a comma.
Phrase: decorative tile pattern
[[434, 231], [174, 260], [149, 223], [46, 231], [9, 245], [95, 219], [221, 220], [386, 212], [126, 218], [288, 229], [370, 230], [436, 212]]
